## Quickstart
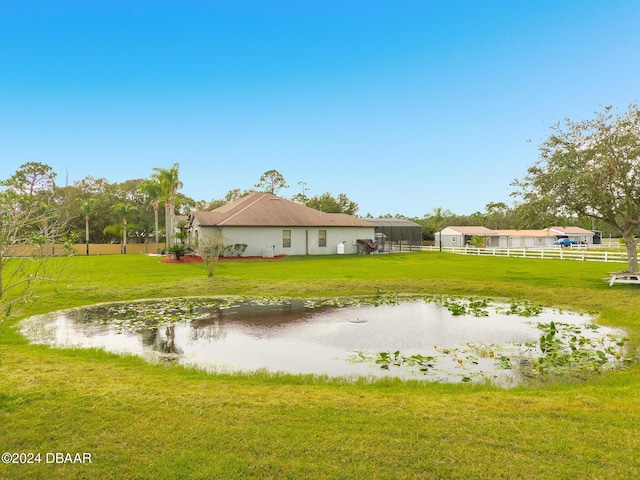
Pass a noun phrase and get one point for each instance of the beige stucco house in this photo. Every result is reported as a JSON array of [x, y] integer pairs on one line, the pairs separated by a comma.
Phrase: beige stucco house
[[270, 225]]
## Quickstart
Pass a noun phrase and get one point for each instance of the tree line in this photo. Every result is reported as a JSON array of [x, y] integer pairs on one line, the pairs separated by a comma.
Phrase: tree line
[[143, 210], [588, 175]]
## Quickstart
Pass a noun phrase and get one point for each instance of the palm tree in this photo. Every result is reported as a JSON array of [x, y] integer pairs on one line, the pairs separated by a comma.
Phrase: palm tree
[[439, 218], [153, 190], [123, 210], [168, 179], [114, 230], [87, 207]]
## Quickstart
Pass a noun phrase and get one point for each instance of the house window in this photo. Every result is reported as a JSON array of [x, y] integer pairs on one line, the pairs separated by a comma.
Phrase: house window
[[322, 238], [286, 238]]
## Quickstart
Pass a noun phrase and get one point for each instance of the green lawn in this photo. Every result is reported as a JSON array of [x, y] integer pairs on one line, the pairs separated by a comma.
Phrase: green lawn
[[148, 421]]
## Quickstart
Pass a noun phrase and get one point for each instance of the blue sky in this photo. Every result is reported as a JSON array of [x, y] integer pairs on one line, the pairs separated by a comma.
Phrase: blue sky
[[404, 106]]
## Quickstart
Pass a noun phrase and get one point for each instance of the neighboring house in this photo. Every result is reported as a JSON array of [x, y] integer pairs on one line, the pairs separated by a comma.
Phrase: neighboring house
[[461, 236], [578, 234], [270, 225]]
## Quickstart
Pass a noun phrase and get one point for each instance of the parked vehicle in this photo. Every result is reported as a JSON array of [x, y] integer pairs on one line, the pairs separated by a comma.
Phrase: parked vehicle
[[565, 242]]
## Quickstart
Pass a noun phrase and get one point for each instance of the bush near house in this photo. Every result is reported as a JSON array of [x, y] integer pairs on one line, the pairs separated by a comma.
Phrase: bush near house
[[235, 250]]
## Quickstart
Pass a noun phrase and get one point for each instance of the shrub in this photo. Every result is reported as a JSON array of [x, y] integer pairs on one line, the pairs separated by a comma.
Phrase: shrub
[[235, 250], [479, 241], [179, 250]]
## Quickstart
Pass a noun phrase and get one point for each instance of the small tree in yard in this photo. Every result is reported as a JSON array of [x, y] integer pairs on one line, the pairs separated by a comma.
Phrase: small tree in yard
[[210, 249], [590, 168], [28, 223]]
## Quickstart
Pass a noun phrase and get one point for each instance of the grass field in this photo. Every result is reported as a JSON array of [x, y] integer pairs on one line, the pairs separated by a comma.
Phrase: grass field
[[150, 421]]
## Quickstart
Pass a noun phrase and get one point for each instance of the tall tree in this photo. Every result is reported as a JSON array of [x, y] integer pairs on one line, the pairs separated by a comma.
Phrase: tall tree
[[27, 223], [330, 204], [271, 181], [231, 196], [498, 215], [590, 168], [169, 181], [439, 218], [153, 190], [32, 178], [104, 194], [123, 210], [87, 207]]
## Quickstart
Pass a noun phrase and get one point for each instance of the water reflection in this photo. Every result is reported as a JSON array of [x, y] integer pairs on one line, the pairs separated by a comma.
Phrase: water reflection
[[166, 344], [347, 341]]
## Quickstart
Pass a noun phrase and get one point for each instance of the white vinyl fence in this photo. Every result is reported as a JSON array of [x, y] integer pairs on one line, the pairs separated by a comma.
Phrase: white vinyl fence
[[583, 254]]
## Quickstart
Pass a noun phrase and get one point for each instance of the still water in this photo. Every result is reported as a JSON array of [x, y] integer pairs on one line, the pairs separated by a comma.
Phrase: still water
[[304, 338]]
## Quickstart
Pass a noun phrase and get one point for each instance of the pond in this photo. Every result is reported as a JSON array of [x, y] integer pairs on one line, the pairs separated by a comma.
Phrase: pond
[[435, 339]]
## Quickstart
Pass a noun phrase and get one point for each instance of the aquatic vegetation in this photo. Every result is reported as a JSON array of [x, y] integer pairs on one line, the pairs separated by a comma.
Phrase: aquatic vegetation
[[381, 298], [561, 349], [267, 300], [138, 316], [456, 361], [386, 360], [385, 298], [481, 307], [476, 308], [523, 308], [332, 302]]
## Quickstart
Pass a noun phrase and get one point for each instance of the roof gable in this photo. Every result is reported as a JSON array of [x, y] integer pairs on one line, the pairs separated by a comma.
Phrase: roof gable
[[571, 230], [468, 230], [268, 210]]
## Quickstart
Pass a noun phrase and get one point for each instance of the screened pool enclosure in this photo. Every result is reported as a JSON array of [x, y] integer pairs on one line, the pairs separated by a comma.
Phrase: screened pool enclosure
[[397, 235]]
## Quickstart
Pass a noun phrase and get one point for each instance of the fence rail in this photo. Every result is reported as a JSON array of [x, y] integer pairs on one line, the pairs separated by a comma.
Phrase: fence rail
[[581, 254], [80, 249]]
